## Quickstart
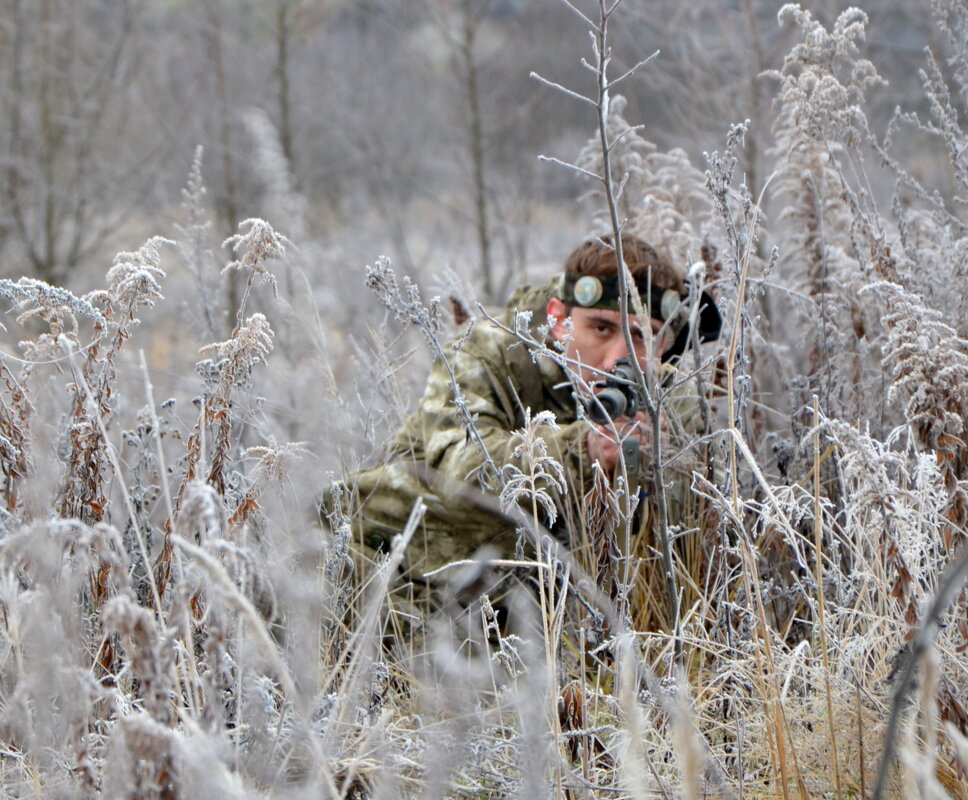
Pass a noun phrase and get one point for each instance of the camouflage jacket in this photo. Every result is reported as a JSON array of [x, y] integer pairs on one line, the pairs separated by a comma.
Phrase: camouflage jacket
[[433, 456]]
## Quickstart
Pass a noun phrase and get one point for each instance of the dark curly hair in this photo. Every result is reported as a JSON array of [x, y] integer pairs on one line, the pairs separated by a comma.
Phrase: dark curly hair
[[596, 256]]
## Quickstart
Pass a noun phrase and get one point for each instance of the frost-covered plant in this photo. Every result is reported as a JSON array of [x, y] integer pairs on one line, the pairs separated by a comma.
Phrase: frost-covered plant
[[662, 196], [194, 246], [741, 232], [893, 520], [250, 343], [257, 245], [282, 202], [58, 309], [52, 651], [209, 445], [934, 252], [16, 462], [249, 346], [540, 479], [149, 655], [820, 124], [824, 79], [274, 465], [404, 302], [929, 365], [406, 305], [132, 285], [133, 280], [602, 515]]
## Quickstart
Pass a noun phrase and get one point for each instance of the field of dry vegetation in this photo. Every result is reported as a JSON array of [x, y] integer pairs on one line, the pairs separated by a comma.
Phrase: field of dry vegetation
[[175, 622]]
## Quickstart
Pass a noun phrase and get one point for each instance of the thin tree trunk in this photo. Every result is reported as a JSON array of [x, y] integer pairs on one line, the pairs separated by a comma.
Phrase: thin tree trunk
[[476, 144], [283, 50], [229, 195]]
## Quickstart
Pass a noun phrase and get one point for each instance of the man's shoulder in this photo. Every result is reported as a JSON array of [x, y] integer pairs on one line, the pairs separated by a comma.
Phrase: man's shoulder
[[494, 338], [533, 297]]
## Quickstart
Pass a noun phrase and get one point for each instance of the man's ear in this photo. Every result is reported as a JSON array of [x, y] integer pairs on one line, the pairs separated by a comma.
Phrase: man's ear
[[557, 309]]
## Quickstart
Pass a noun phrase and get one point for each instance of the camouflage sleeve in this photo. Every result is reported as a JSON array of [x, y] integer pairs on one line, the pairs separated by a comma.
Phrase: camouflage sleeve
[[687, 453], [492, 400], [435, 457], [682, 403]]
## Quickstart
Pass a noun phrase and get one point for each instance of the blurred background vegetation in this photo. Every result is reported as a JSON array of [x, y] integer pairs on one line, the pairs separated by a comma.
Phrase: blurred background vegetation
[[410, 127]]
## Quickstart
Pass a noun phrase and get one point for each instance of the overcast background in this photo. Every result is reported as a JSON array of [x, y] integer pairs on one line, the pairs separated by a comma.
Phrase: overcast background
[[410, 127]]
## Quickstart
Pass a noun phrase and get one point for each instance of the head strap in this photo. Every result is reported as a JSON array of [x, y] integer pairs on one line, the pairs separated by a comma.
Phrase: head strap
[[594, 291], [603, 292]]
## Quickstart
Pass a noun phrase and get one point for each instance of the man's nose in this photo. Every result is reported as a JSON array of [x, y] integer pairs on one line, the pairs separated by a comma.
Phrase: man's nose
[[616, 352]]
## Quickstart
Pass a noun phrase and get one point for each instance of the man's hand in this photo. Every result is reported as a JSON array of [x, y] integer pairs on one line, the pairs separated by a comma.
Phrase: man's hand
[[602, 446]]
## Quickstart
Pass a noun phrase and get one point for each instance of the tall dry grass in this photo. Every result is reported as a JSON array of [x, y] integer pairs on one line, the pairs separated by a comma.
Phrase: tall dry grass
[[176, 624]]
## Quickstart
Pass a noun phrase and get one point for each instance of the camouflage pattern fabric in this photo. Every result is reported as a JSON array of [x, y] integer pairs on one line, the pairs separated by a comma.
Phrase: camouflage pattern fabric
[[433, 457]]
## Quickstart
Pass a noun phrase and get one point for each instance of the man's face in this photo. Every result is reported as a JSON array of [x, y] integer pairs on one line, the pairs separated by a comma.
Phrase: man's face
[[597, 341]]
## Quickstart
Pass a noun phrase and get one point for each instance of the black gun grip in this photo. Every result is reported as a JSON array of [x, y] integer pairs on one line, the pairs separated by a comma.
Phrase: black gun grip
[[630, 457]]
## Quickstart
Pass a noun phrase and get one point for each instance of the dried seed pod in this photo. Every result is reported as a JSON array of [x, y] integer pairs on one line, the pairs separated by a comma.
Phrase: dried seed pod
[[571, 715]]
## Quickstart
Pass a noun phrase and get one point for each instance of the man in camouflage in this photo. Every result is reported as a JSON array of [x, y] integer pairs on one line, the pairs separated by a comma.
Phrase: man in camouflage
[[504, 385]]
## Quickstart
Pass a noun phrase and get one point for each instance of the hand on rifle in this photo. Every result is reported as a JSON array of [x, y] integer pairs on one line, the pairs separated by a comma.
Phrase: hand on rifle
[[603, 446]]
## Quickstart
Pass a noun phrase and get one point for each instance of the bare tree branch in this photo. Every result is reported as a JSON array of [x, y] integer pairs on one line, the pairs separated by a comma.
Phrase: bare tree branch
[[632, 71], [561, 88], [584, 19], [569, 165]]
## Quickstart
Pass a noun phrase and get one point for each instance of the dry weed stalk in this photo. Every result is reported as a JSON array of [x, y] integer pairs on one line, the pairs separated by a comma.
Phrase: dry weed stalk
[[194, 247], [249, 345], [132, 284], [16, 462], [929, 362]]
